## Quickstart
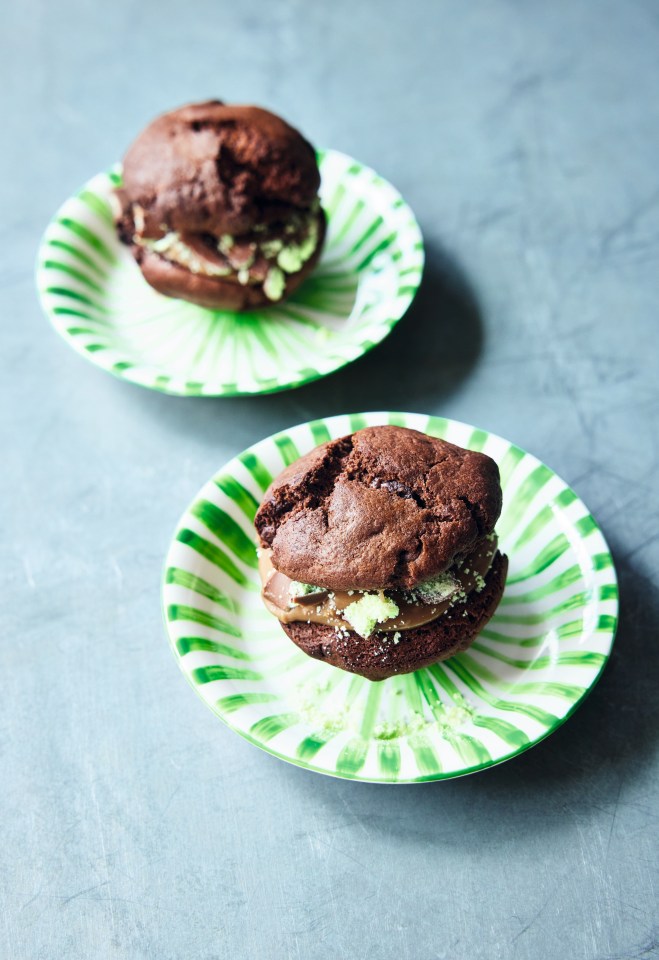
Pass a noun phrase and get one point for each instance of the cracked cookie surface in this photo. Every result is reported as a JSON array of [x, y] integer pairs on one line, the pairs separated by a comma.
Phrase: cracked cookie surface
[[381, 509], [218, 168]]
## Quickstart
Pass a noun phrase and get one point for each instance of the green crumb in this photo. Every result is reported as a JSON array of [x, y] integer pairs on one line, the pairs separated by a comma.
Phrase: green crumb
[[480, 582], [293, 257], [225, 243], [270, 248], [165, 243], [298, 589], [373, 608], [396, 637], [436, 589], [243, 275], [274, 284]]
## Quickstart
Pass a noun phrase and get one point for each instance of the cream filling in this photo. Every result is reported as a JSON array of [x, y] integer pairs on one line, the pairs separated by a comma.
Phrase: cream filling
[[283, 258], [171, 247], [366, 611]]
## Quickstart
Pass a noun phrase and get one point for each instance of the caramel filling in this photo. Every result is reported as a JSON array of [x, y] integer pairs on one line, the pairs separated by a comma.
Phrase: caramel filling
[[326, 606]]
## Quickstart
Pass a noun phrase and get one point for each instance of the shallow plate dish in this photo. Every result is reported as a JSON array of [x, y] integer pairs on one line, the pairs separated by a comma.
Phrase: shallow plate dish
[[94, 294], [523, 676]]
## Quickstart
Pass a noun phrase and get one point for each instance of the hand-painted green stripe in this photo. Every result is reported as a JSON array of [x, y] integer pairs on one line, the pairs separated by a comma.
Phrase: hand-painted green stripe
[[252, 463], [601, 561], [545, 516], [328, 300], [122, 365], [76, 274], [585, 526], [357, 422], [437, 427], [70, 312], [412, 694], [407, 290], [477, 440], [560, 582], [348, 222], [286, 310], [470, 750], [79, 255], [352, 758], [566, 631], [366, 235], [572, 658], [389, 758], [429, 692], [309, 747], [97, 205], [287, 449], [575, 602], [541, 716], [269, 727], [426, 759], [332, 205], [319, 432], [555, 549], [95, 242], [238, 700], [186, 645], [227, 530], [260, 333], [215, 556], [607, 623], [218, 671], [370, 713], [115, 177], [76, 331], [509, 463], [235, 491], [519, 504], [183, 578], [565, 690], [378, 249], [332, 284], [76, 295], [95, 347], [608, 592], [180, 611], [445, 682], [397, 419], [506, 731]]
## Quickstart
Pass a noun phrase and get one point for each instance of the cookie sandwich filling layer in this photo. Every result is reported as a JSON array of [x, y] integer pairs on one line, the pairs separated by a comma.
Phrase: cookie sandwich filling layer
[[382, 611], [264, 257]]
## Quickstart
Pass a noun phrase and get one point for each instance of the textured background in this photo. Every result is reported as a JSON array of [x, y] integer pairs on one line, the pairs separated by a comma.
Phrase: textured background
[[526, 138]]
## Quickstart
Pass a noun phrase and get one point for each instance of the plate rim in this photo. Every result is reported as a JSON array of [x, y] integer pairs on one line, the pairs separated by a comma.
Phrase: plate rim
[[127, 374], [437, 776]]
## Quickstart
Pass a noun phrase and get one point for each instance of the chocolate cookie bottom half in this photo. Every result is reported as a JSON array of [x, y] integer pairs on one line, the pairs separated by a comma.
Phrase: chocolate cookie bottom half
[[386, 654]]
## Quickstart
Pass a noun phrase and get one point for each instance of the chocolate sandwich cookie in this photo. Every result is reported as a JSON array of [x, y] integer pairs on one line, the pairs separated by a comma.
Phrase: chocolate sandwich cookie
[[220, 206], [378, 552]]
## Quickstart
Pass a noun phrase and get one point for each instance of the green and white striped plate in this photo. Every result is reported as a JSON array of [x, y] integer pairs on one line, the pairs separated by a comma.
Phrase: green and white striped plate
[[524, 675], [96, 298]]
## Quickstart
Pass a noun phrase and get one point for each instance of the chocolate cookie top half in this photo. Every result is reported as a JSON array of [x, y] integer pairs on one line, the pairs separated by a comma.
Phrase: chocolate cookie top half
[[219, 169], [383, 508]]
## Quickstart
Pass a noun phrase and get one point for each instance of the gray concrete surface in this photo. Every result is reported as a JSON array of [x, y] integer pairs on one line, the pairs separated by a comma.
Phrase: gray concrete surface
[[526, 138]]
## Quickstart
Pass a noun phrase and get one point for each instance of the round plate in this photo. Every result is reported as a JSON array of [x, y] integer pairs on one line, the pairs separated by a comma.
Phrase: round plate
[[370, 269], [524, 675]]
